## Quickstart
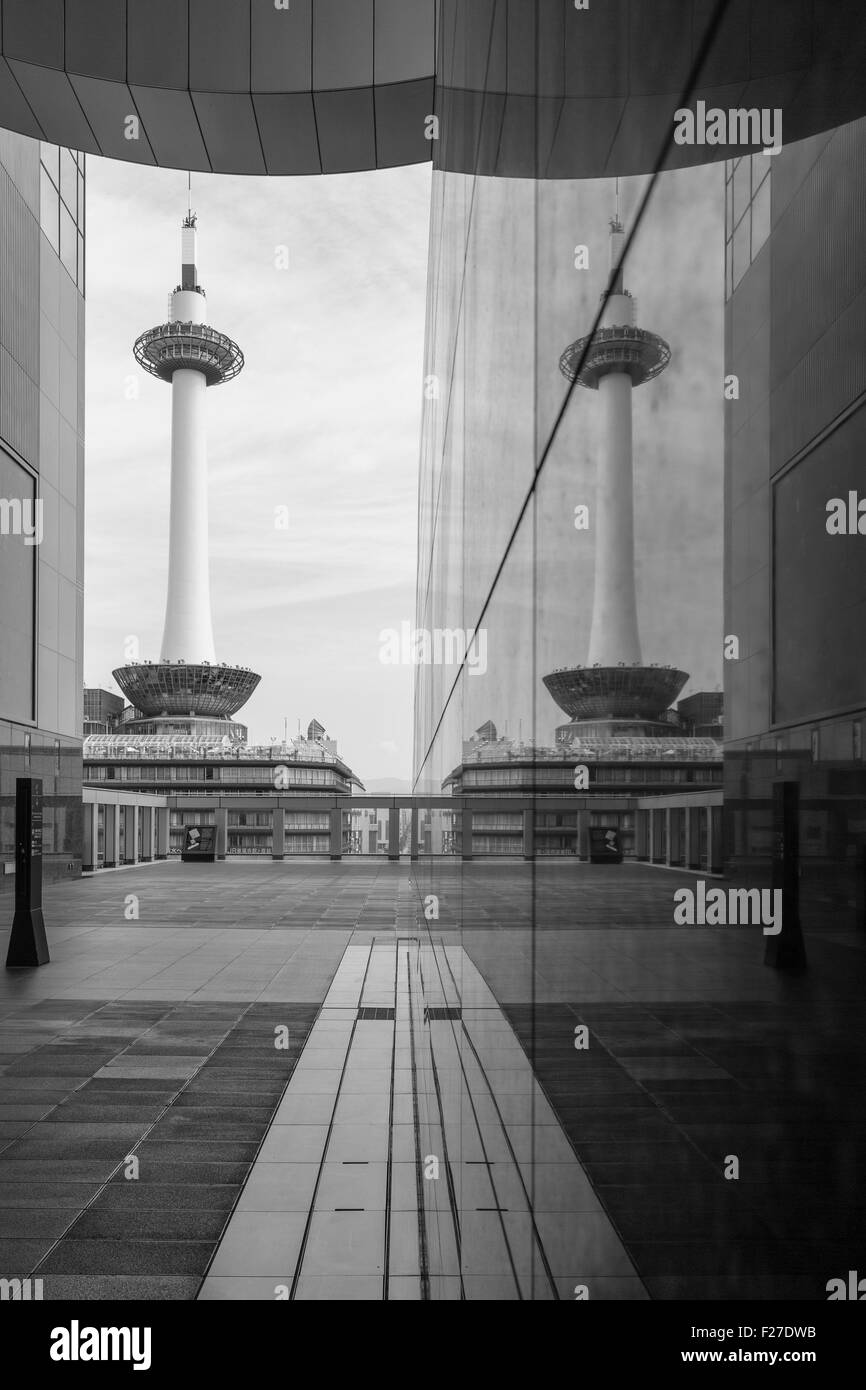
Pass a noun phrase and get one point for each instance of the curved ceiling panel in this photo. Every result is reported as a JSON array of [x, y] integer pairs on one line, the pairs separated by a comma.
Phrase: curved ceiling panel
[[534, 88], [232, 86]]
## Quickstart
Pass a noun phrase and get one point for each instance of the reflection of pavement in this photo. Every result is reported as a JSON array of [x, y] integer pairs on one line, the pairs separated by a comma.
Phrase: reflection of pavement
[[155, 1036], [697, 1053], [414, 1157]]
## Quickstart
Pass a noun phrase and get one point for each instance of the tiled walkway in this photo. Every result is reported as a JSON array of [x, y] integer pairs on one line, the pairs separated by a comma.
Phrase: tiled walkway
[[128, 1132], [171, 1028], [413, 1156]]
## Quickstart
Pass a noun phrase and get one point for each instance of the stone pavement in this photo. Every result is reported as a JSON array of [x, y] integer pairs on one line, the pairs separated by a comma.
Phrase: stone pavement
[[160, 1084]]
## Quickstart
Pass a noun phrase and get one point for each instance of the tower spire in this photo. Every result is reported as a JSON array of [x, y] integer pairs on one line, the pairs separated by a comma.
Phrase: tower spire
[[189, 258], [617, 241]]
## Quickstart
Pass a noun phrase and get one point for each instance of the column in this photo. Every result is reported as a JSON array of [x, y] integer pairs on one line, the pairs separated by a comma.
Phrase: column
[[687, 838], [393, 832], [642, 834], [278, 821], [695, 815], [652, 835], [163, 832], [90, 851], [467, 835], [715, 857], [112, 836], [222, 831], [582, 845], [668, 828], [413, 833], [336, 833], [529, 833], [659, 825], [130, 834], [146, 814]]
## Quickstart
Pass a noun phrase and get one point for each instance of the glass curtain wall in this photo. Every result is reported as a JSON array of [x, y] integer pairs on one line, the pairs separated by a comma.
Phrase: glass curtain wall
[[563, 1018]]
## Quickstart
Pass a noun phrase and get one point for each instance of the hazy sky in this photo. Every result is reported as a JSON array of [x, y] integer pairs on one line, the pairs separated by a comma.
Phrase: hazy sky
[[324, 420]]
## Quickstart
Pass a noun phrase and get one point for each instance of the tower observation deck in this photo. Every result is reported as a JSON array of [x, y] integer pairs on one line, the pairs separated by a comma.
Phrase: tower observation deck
[[187, 684], [615, 690]]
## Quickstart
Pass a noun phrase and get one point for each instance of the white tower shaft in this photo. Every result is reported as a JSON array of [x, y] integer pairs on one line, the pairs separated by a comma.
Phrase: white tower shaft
[[188, 633], [614, 632]]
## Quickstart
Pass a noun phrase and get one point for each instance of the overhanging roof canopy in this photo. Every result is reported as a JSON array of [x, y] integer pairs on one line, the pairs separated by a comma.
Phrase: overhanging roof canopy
[[233, 86], [521, 87]]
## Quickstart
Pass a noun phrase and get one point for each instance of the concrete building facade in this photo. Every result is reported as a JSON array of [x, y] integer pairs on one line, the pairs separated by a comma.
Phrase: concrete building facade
[[41, 492]]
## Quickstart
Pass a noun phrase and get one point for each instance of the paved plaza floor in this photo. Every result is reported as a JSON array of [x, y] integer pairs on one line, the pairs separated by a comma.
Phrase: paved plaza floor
[[376, 1080]]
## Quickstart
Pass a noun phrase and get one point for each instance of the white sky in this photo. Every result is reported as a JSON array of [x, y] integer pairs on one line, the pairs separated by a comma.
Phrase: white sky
[[324, 419]]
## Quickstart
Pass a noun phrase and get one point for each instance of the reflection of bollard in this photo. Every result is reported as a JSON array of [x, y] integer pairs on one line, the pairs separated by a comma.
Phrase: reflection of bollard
[[860, 888], [786, 951], [27, 942]]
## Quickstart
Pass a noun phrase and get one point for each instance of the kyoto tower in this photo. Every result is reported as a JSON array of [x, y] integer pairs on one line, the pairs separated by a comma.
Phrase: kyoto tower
[[615, 694], [186, 691]]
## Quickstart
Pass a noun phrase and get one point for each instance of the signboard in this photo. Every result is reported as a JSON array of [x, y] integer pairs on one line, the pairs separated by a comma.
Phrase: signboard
[[27, 943], [604, 845], [199, 844]]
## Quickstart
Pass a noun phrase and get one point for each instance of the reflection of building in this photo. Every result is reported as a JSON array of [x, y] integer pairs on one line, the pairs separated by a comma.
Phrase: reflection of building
[[795, 683], [41, 488], [187, 692], [437, 830], [702, 714], [219, 781], [102, 710], [622, 740], [620, 770]]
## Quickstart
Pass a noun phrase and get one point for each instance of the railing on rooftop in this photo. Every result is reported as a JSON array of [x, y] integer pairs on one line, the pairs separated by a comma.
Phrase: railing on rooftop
[[121, 747]]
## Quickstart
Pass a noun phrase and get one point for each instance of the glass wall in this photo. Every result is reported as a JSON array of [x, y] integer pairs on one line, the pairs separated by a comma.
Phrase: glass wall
[[603, 390]]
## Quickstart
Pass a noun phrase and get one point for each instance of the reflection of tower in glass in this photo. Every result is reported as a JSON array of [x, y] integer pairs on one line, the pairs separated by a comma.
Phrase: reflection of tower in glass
[[615, 690], [186, 691]]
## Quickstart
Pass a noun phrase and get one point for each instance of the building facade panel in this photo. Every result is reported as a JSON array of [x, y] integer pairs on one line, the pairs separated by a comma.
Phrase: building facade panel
[[795, 586], [42, 466]]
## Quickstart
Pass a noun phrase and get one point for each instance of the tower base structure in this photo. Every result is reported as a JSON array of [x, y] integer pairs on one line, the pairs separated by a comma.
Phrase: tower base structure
[[177, 698], [641, 693], [619, 705]]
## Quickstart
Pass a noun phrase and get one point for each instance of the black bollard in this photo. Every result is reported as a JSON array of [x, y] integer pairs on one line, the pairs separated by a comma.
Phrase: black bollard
[[27, 943]]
